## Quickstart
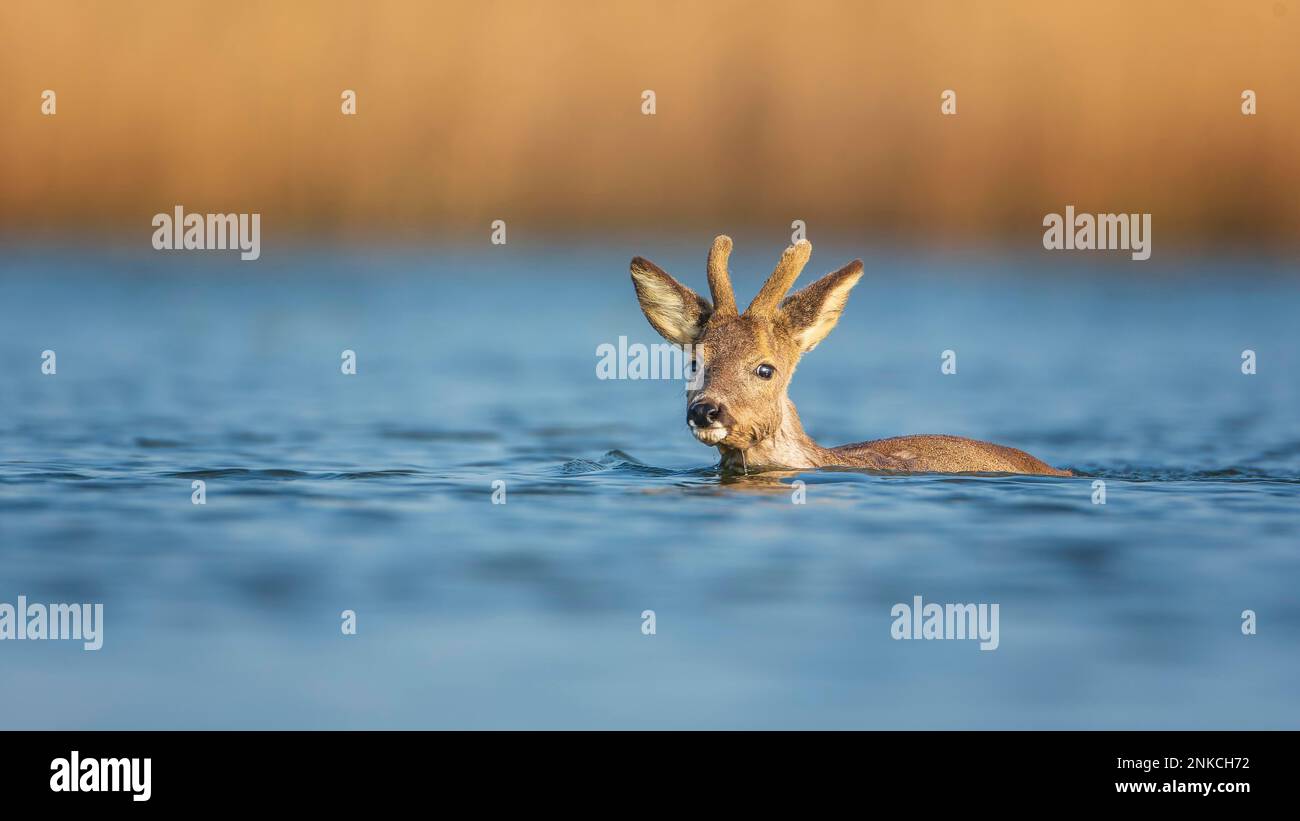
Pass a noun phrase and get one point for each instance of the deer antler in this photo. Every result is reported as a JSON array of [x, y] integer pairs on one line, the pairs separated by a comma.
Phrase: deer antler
[[724, 298], [787, 271]]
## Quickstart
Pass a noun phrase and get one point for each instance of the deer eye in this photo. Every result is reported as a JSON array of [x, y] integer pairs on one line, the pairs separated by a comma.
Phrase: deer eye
[[765, 371], [693, 366]]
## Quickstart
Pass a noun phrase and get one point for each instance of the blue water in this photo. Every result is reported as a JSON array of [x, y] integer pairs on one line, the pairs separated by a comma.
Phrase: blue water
[[373, 493]]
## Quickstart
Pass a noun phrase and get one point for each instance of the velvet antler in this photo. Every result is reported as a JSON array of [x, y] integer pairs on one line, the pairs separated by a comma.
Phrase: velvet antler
[[787, 271], [724, 298]]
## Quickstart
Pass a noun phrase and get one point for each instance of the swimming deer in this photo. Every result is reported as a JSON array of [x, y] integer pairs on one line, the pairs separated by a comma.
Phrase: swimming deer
[[742, 364]]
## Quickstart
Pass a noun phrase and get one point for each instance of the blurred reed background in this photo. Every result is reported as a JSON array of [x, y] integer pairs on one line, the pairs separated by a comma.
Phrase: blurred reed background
[[767, 112]]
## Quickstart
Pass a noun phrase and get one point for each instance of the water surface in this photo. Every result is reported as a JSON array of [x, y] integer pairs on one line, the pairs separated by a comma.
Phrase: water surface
[[373, 493]]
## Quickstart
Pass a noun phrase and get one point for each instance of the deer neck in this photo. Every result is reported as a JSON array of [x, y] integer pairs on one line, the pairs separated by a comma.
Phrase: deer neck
[[788, 447]]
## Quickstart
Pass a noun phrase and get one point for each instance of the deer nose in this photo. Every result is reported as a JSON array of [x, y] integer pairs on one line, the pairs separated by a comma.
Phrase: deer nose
[[702, 414]]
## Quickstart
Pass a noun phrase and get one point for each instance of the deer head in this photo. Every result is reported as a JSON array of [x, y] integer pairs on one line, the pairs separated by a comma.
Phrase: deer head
[[742, 362]]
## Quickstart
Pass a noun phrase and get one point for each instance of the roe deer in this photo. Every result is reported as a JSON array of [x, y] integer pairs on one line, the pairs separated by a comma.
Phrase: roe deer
[[739, 403]]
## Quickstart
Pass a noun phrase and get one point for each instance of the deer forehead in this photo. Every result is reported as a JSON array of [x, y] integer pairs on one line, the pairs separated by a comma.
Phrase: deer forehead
[[744, 338]]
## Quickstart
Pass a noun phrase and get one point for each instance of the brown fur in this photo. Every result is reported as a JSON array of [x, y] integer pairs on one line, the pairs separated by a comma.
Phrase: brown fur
[[756, 424]]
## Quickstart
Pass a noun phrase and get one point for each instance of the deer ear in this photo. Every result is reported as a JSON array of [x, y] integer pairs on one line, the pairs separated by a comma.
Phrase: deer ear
[[812, 312], [675, 311]]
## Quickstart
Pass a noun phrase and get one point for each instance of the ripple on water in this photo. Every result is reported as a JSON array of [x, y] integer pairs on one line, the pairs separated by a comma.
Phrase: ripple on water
[[618, 462], [237, 473]]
